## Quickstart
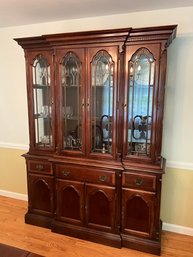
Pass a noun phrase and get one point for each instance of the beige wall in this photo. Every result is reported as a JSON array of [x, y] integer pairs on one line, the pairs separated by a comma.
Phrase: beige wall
[[177, 203], [12, 170]]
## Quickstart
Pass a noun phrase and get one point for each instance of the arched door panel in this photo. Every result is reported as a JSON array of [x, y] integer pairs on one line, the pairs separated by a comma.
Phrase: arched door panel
[[70, 201], [100, 207], [41, 194], [138, 212]]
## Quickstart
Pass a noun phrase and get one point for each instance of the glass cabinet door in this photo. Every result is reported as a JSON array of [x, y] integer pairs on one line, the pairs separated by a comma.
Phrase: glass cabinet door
[[140, 92], [42, 101], [102, 105], [72, 102]]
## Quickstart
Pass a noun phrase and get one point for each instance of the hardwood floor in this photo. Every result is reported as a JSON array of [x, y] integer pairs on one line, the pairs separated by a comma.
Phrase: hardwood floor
[[14, 232]]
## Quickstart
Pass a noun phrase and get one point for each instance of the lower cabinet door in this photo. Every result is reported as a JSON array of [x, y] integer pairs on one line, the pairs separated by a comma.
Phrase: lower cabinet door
[[100, 207], [70, 201], [138, 212], [40, 191]]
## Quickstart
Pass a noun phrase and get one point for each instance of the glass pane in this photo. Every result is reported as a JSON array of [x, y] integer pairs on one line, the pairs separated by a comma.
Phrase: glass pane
[[71, 102], [141, 85], [42, 102], [102, 102]]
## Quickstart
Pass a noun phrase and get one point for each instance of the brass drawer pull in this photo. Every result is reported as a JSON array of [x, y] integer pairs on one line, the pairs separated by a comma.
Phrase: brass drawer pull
[[65, 173], [139, 181], [39, 167], [102, 178]]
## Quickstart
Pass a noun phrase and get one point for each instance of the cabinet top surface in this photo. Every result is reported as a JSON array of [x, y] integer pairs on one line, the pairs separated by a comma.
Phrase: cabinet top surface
[[121, 35]]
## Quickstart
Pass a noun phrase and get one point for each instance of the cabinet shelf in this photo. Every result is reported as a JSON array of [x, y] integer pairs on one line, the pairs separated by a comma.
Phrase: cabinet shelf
[[71, 118], [101, 86], [71, 86], [39, 116], [40, 86]]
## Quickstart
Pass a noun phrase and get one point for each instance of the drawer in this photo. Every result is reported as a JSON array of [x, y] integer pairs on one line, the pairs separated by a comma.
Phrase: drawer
[[39, 167], [139, 181], [85, 174]]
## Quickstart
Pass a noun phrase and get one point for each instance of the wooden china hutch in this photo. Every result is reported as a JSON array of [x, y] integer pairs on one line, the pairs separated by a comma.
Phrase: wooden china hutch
[[94, 166]]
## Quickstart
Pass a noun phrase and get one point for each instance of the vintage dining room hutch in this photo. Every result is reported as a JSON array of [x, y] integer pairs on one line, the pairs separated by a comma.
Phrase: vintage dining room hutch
[[95, 101]]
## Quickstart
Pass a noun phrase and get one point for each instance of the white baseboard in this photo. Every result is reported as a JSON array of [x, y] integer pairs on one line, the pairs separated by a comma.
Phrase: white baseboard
[[14, 195], [178, 229], [180, 165]]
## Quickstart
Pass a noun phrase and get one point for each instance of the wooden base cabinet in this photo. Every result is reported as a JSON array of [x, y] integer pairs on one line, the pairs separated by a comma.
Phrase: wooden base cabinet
[[95, 107], [140, 210], [87, 204], [40, 192]]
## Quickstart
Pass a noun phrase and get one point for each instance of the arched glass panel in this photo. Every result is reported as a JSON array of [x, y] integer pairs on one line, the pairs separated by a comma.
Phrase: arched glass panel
[[140, 98], [71, 102], [102, 68], [42, 102]]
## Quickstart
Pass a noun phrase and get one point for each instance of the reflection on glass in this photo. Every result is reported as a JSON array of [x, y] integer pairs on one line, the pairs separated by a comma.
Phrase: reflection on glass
[[71, 102], [141, 85], [102, 68], [42, 102]]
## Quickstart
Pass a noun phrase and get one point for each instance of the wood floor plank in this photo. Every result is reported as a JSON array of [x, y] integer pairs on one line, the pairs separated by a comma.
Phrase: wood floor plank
[[42, 241]]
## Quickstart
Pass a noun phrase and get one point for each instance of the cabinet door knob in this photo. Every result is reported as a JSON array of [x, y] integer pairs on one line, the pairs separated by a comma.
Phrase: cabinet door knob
[[139, 181], [102, 178], [65, 173], [88, 103], [39, 167], [83, 102]]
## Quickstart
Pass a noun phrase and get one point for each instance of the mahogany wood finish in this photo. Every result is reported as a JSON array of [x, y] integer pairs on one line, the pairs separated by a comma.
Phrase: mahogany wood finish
[[106, 192], [7, 251]]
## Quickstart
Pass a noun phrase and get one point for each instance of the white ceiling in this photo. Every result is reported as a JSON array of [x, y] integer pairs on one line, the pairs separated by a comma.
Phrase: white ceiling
[[23, 12]]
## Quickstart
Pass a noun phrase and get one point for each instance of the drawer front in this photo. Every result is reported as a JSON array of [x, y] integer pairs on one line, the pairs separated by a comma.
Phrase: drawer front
[[39, 167], [139, 181], [85, 174]]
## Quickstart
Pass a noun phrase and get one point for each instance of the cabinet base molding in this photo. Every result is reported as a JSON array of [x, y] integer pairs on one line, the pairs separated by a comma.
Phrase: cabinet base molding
[[85, 233], [141, 244], [38, 220]]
